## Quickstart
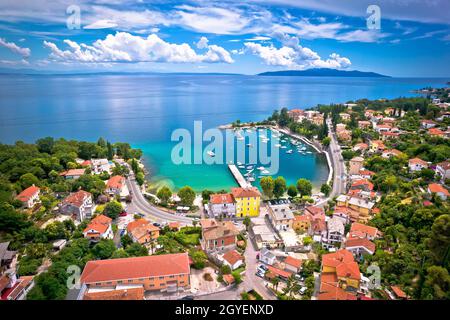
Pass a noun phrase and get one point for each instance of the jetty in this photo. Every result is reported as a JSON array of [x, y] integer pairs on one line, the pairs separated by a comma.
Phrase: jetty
[[239, 177]]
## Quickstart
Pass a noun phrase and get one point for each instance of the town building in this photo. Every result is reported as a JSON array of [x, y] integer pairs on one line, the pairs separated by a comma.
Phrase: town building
[[363, 124], [218, 235], [356, 164], [281, 217], [165, 273], [391, 153], [233, 259], [99, 166], [29, 197], [292, 264], [417, 164], [247, 201], [78, 205], [360, 247], [262, 235], [8, 264], [427, 124], [116, 186], [266, 256], [435, 132], [439, 190], [130, 293], [72, 174], [361, 147], [377, 146], [359, 230], [221, 206], [443, 170], [363, 206], [335, 233], [301, 222], [297, 115], [142, 231], [99, 228]]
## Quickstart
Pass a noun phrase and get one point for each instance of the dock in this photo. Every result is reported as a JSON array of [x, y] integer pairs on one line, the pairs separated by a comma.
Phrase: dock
[[239, 177]]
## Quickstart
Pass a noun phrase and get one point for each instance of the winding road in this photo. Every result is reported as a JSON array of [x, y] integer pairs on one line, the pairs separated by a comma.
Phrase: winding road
[[140, 205], [339, 174]]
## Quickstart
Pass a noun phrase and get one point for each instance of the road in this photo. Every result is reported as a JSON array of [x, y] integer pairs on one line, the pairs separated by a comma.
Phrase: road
[[339, 180], [141, 205]]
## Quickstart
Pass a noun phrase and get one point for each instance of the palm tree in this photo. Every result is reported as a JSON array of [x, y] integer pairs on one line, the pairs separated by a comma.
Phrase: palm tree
[[291, 286], [275, 282]]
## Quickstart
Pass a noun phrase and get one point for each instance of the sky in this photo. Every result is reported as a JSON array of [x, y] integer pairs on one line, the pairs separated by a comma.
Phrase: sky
[[407, 38]]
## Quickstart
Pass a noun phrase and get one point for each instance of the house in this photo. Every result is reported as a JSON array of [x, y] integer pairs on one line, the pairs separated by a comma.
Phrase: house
[[29, 197], [439, 190], [417, 164], [346, 214], [100, 165], [364, 124], [165, 273], [377, 146], [389, 135], [427, 124], [218, 235], [443, 170], [363, 206], [262, 235], [318, 230], [228, 279], [21, 288], [296, 114], [174, 226], [99, 228], [391, 153], [366, 174], [78, 204], [274, 272], [222, 206], [359, 230], [344, 116], [361, 184], [360, 246], [72, 174], [266, 256], [398, 294], [142, 231], [116, 186], [435, 132], [339, 270], [360, 147], [335, 233], [130, 293], [356, 164], [301, 222], [383, 128], [233, 259], [344, 135], [315, 212], [281, 217], [247, 201], [8, 261], [292, 264]]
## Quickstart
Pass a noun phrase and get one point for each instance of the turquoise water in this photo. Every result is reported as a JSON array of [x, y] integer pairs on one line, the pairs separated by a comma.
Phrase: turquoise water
[[145, 109]]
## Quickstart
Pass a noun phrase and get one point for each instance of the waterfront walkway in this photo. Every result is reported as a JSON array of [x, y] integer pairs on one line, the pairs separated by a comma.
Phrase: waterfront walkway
[[239, 177]]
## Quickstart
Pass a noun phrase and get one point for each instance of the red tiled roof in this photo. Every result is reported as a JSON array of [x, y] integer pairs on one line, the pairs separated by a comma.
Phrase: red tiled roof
[[366, 172], [115, 182], [435, 132], [100, 224], [135, 268], [28, 193], [418, 161], [221, 198], [437, 188], [333, 292], [444, 165], [315, 210], [232, 257], [360, 242], [297, 263], [399, 292], [228, 278], [174, 225], [245, 192], [77, 198], [213, 230], [279, 272], [124, 294], [344, 263], [303, 217], [359, 227], [73, 172]]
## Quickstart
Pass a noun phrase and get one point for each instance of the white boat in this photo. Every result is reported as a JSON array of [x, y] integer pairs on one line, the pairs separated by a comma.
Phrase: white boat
[[283, 147], [238, 163], [309, 152], [240, 138], [210, 153], [260, 168], [241, 167], [265, 172], [289, 151], [249, 167]]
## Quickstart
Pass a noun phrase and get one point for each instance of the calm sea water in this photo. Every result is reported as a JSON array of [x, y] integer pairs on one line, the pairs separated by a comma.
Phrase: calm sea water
[[145, 109]]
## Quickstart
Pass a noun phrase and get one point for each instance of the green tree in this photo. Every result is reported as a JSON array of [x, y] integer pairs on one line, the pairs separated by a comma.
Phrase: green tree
[[304, 187], [136, 250], [140, 178], [113, 209], [247, 222], [28, 179], [198, 257], [104, 249], [292, 191], [437, 284], [164, 194], [237, 277], [325, 189], [187, 196], [126, 241], [326, 141], [267, 185], [45, 145], [439, 241], [279, 187]]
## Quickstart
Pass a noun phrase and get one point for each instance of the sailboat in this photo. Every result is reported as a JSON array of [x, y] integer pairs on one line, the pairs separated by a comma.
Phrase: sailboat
[[289, 151]]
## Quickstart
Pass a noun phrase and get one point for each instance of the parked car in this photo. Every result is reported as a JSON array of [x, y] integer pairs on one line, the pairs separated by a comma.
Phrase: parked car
[[157, 224], [263, 267], [259, 274], [299, 277], [123, 214], [302, 290], [141, 215], [188, 298]]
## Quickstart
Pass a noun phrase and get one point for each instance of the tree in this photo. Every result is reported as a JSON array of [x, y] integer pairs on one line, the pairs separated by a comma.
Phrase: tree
[[275, 281], [126, 241], [187, 196], [267, 184], [136, 250], [307, 241], [104, 249], [28, 179], [247, 222], [439, 241], [11, 220], [292, 191], [304, 187], [291, 286], [140, 178], [225, 269], [164, 194], [45, 145], [437, 284], [326, 141], [198, 257], [237, 277], [279, 187], [47, 288], [325, 189], [113, 209]]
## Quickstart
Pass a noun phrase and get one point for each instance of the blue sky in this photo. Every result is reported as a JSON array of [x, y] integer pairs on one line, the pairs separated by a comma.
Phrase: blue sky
[[227, 36]]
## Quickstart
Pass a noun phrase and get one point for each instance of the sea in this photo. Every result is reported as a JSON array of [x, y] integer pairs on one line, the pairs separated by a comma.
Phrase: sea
[[146, 109]]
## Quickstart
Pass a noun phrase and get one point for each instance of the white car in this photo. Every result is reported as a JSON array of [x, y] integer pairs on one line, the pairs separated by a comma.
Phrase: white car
[[302, 290]]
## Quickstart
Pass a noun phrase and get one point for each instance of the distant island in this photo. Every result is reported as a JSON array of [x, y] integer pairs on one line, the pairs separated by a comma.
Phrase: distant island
[[323, 72]]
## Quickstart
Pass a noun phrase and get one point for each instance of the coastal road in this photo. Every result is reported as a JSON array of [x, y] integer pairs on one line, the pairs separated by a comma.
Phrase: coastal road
[[140, 205], [339, 175]]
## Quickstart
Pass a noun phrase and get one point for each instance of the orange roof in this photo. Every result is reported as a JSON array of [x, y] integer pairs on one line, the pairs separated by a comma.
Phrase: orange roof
[[279, 272], [28, 193], [359, 227], [418, 161], [362, 182], [221, 198], [232, 257], [77, 198], [303, 217], [344, 263], [437, 188], [228, 278], [333, 292], [99, 224], [73, 172], [124, 294], [213, 229], [245, 192], [115, 182], [140, 223], [399, 292], [135, 268], [315, 210], [358, 242], [174, 225], [297, 263], [366, 172], [435, 132]]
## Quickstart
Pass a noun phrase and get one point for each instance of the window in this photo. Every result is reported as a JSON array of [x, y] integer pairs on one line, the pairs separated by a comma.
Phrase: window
[[161, 278], [120, 281]]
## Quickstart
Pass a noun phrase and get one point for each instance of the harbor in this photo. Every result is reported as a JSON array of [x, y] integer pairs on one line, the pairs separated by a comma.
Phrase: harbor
[[238, 176]]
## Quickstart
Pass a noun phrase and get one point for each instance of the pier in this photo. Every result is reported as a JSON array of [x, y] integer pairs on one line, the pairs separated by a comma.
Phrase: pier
[[239, 177]]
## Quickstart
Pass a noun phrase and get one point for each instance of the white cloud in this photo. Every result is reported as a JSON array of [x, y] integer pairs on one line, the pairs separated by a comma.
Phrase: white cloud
[[362, 36], [22, 62], [293, 55], [124, 47], [101, 24], [202, 43], [24, 52], [258, 38]]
